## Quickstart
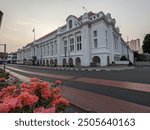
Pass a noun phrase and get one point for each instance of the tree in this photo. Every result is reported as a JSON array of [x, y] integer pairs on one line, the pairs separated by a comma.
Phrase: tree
[[123, 58], [34, 58], [146, 44], [136, 55]]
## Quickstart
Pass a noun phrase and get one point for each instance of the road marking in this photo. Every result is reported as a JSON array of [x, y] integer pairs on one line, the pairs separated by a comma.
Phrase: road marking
[[44, 74]]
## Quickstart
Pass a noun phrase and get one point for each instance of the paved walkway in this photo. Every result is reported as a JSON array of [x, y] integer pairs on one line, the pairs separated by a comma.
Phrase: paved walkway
[[91, 101]]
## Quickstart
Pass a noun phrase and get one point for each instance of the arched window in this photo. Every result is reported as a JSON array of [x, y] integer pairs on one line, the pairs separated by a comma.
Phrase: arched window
[[70, 24]]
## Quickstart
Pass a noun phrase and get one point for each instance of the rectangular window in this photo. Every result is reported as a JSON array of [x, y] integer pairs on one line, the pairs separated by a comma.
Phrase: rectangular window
[[44, 50], [71, 44], [116, 42], [65, 47], [52, 50], [56, 48], [79, 44], [95, 33], [48, 50], [106, 38], [95, 43]]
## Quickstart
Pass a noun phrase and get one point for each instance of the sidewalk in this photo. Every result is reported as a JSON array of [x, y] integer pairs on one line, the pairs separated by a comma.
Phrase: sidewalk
[[93, 102]]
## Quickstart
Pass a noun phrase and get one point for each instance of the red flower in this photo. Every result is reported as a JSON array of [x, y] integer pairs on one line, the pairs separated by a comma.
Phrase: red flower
[[4, 107], [63, 101], [56, 96], [23, 85], [55, 102], [34, 86], [13, 102], [44, 110], [8, 90], [13, 99], [34, 80], [46, 93], [44, 84], [57, 82], [28, 99], [56, 90], [2, 79]]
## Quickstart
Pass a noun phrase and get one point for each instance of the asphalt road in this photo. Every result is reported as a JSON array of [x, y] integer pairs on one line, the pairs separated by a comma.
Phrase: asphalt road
[[138, 75]]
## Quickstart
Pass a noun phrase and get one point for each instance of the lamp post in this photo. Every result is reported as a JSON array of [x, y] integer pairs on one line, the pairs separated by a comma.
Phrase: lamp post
[[41, 55], [4, 55], [69, 57]]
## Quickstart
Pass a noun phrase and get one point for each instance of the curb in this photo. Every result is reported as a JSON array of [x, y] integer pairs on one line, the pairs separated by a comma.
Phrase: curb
[[79, 69]]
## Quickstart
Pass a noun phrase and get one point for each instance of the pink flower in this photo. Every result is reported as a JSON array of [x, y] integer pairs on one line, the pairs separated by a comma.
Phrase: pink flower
[[4, 108], [34, 86], [28, 99], [61, 100], [13, 102], [23, 85], [34, 80], [56, 96], [2, 79], [64, 101], [46, 93], [44, 110], [56, 90], [57, 82], [44, 84]]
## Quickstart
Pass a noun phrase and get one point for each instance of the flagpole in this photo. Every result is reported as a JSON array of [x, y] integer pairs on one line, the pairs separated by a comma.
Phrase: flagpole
[[85, 9], [34, 33]]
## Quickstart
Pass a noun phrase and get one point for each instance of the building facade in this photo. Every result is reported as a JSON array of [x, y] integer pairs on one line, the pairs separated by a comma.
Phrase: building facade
[[89, 40], [134, 45], [12, 58]]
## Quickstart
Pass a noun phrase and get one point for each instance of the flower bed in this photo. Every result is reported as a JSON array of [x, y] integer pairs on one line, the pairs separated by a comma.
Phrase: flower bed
[[38, 96], [3, 77]]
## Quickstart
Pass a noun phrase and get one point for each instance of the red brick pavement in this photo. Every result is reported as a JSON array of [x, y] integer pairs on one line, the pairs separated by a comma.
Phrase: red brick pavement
[[93, 102], [120, 84]]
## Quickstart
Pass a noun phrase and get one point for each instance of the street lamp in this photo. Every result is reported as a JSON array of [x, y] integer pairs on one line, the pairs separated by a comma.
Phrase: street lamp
[[69, 58], [4, 54], [41, 55]]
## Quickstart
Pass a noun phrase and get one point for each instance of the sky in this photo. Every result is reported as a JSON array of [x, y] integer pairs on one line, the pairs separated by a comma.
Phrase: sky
[[21, 16]]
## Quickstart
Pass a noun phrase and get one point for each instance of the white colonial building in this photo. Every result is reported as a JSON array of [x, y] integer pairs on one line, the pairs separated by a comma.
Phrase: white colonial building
[[89, 40]]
